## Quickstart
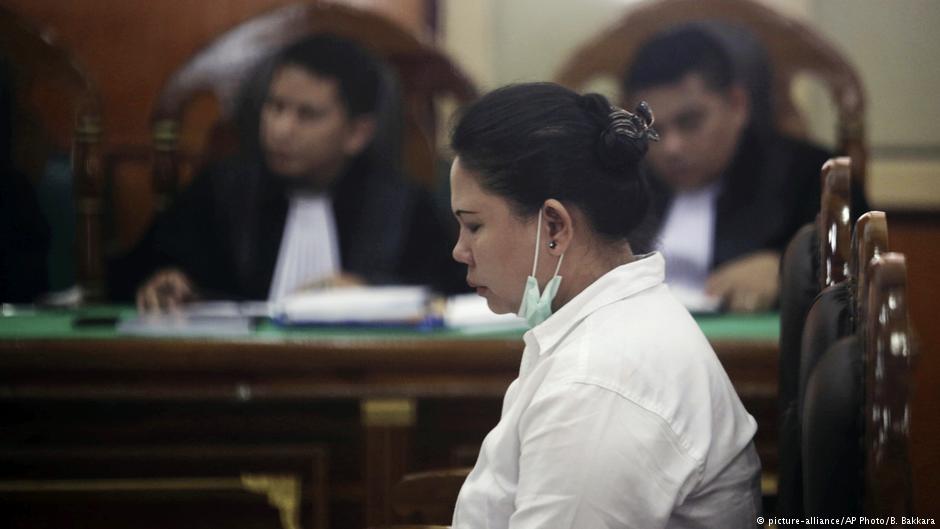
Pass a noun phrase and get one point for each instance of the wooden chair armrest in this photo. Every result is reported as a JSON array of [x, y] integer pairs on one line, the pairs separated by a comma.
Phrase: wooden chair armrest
[[428, 497]]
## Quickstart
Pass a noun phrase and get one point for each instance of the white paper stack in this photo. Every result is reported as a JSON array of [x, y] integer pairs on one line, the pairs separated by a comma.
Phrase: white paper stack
[[469, 312], [199, 318], [695, 300], [221, 309], [181, 325], [355, 305]]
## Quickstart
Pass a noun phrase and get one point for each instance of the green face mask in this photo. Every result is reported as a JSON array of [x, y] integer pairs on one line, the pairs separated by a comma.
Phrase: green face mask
[[537, 307]]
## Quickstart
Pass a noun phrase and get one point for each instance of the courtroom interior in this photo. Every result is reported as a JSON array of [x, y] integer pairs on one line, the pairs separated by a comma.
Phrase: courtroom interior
[[268, 263]]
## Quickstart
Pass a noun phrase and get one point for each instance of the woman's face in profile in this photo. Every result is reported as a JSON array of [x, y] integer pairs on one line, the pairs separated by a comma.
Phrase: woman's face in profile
[[495, 244]]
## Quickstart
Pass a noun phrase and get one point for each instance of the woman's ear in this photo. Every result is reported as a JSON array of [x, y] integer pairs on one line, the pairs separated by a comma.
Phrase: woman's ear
[[558, 220]]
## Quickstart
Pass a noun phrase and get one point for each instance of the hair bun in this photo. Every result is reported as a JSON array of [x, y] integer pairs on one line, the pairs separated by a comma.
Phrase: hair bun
[[625, 139]]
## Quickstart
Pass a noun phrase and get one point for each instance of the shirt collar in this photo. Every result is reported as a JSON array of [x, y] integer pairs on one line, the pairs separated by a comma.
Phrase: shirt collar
[[646, 271]]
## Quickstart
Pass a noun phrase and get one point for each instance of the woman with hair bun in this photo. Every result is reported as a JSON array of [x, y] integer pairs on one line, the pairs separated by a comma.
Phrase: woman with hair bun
[[622, 415]]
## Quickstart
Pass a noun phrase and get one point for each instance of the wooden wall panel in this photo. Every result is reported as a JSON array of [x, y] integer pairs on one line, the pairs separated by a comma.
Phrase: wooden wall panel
[[917, 236], [131, 47]]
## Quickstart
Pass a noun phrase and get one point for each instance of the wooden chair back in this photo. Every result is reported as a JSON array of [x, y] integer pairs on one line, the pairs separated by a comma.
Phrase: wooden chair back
[[57, 109], [815, 311], [425, 75], [794, 49], [831, 433], [799, 286], [889, 355], [869, 240], [428, 497], [834, 222], [855, 421]]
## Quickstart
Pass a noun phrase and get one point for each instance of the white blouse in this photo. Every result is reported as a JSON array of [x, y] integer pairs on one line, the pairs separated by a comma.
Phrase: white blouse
[[622, 416]]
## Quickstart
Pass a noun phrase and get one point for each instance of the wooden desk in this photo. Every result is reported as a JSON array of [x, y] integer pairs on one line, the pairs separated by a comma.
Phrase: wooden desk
[[206, 384]]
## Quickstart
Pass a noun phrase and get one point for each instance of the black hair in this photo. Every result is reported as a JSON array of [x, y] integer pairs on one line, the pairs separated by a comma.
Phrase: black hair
[[531, 142], [671, 55], [355, 69]]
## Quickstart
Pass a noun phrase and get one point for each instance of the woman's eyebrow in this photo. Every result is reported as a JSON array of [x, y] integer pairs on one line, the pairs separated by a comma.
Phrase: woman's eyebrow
[[460, 212]]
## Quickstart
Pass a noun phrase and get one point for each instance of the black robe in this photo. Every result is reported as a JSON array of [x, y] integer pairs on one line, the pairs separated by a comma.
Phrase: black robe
[[224, 231], [771, 189]]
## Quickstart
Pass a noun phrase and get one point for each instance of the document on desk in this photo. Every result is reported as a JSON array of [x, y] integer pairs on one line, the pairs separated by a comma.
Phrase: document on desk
[[470, 314], [251, 309], [199, 319], [360, 305], [695, 299]]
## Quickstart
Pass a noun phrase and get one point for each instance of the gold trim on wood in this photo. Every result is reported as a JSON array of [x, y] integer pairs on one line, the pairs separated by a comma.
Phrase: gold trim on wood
[[165, 134], [88, 129], [768, 483], [388, 412], [283, 493]]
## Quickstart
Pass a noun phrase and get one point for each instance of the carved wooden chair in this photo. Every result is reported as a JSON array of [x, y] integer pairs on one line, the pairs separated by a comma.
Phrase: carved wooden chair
[[834, 222], [869, 240], [182, 121], [57, 110], [814, 312], [831, 316], [831, 382], [856, 436], [428, 497], [890, 353], [794, 49], [426, 500]]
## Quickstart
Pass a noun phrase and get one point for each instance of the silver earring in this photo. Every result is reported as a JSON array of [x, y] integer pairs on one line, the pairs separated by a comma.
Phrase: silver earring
[[552, 245]]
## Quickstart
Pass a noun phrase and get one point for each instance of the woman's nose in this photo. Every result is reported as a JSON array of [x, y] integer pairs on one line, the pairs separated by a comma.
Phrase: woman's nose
[[461, 253]]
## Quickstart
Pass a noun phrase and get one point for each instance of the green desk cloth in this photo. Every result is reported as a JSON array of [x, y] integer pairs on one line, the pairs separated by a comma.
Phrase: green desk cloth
[[28, 323]]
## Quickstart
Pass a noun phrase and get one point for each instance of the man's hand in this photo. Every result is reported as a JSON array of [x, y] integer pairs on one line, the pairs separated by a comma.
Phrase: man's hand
[[165, 291], [747, 284]]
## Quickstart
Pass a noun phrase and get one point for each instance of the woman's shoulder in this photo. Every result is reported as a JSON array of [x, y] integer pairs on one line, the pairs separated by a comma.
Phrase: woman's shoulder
[[630, 343], [647, 348], [652, 321]]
